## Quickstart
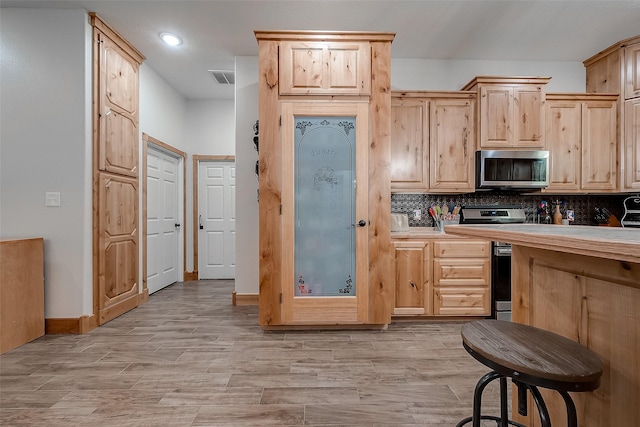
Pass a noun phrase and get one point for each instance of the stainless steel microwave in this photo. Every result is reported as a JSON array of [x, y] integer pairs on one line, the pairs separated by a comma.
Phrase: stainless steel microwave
[[512, 169]]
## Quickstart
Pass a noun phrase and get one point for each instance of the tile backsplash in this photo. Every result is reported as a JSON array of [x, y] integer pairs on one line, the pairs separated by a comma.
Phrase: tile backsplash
[[583, 205]]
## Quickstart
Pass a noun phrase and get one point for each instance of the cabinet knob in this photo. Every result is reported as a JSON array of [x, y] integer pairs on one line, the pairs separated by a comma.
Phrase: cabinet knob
[[362, 223]]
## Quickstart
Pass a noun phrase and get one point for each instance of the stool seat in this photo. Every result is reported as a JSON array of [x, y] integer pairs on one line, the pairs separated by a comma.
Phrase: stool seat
[[532, 355], [532, 358]]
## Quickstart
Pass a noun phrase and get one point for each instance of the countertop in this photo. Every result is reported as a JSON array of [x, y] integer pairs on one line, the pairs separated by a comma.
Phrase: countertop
[[421, 233], [603, 242]]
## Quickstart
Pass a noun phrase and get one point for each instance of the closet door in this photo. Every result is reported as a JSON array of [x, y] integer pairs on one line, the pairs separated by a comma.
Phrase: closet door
[[115, 177]]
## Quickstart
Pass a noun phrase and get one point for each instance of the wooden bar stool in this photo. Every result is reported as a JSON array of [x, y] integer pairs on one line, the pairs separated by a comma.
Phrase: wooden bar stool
[[532, 358]]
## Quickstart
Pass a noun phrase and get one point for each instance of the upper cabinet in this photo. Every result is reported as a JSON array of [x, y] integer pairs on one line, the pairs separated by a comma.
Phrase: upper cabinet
[[632, 71], [325, 68], [432, 141], [581, 139], [510, 112], [409, 143], [617, 70]]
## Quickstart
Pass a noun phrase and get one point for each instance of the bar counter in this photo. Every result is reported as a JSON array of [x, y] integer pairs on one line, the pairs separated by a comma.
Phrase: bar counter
[[583, 283]]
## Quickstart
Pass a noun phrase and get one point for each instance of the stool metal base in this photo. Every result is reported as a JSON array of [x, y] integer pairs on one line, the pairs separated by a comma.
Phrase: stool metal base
[[503, 420]]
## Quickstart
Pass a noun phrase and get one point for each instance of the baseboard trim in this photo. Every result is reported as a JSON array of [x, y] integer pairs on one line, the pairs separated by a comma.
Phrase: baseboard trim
[[144, 296], [190, 276], [74, 325], [244, 299]]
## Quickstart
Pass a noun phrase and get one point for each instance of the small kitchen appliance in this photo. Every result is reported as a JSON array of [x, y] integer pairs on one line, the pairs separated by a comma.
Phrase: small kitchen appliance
[[631, 217]]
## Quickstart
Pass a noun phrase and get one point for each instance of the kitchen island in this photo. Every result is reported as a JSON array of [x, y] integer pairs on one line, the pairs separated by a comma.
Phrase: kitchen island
[[583, 283]]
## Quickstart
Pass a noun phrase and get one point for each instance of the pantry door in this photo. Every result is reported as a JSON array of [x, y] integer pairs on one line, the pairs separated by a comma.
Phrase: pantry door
[[325, 213]]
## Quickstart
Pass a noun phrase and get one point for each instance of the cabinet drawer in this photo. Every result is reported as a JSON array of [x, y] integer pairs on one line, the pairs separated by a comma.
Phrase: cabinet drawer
[[461, 249], [461, 301], [461, 272]]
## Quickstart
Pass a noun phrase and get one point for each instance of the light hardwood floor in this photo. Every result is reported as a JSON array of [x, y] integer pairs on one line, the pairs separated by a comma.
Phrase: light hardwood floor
[[189, 358]]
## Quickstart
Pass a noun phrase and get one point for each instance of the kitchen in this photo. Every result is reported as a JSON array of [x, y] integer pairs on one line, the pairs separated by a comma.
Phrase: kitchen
[[253, 118]]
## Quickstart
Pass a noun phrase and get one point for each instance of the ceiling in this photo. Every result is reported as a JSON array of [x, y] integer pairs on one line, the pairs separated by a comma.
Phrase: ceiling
[[216, 31]]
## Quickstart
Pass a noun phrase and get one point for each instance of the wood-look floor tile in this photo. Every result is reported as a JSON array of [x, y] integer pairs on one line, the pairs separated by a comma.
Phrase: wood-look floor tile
[[309, 395], [362, 414], [188, 357], [251, 415]]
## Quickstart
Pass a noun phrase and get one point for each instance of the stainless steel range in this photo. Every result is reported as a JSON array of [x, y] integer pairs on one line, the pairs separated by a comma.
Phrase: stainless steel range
[[500, 252]]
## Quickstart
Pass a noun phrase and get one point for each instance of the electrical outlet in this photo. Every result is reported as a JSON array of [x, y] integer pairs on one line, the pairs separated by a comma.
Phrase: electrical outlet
[[417, 214], [52, 199]]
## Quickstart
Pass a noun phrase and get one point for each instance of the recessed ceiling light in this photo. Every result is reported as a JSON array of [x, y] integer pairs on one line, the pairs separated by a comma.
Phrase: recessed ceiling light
[[171, 39]]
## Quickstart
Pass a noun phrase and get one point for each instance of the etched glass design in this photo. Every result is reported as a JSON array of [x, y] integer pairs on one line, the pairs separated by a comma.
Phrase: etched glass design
[[324, 171]]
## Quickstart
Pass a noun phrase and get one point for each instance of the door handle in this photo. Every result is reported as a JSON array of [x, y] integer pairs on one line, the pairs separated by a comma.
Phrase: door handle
[[177, 225], [200, 226]]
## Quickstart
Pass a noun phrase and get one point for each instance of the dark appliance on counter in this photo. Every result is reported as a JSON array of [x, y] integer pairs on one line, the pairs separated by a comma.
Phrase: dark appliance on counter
[[500, 252], [512, 169], [631, 217]]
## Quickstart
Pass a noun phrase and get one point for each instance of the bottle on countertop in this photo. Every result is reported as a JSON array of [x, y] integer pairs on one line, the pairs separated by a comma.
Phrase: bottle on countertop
[[557, 215]]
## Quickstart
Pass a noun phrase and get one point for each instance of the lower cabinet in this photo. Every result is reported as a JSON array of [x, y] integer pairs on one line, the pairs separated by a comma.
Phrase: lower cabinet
[[443, 276], [413, 291]]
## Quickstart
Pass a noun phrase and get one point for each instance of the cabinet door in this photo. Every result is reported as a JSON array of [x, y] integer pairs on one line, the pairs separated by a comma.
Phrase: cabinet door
[[528, 116], [412, 278], [451, 143], [631, 157], [118, 245], [409, 145], [599, 146], [496, 116], [336, 68], [564, 134], [118, 110], [632, 73]]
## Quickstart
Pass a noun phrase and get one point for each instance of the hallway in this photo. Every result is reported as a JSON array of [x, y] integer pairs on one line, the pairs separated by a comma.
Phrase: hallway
[[189, 358]]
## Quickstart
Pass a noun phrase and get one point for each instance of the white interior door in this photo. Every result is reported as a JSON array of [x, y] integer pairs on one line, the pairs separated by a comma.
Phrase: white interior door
[[164, 225], [217, 218]]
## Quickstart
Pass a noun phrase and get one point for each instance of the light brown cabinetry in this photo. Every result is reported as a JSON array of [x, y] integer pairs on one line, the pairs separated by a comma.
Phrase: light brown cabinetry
[[413, 276], [21, 292], [325, 68], [617, 70], [443, 276], [432, 144], [116, 145], [631, 159], [510, 111], [593, 301], [581, 139], [317, 75], [409, 144], [461, 278]]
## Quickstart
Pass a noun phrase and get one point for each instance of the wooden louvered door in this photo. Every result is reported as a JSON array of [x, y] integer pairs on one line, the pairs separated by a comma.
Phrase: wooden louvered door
[[116, 147]]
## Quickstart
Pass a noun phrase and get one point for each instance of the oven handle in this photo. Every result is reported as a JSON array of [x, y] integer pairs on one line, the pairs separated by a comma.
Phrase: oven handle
[[502, 251]]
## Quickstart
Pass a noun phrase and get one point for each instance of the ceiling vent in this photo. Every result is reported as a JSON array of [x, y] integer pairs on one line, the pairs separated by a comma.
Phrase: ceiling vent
[[223, 77]]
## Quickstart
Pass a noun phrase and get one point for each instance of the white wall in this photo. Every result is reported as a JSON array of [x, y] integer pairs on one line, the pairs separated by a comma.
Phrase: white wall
[[246, 112], [427, 74], [46, 147]]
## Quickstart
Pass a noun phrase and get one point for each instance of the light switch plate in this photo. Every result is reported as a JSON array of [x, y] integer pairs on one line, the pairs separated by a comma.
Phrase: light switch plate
[[417, 214], [52, 199]]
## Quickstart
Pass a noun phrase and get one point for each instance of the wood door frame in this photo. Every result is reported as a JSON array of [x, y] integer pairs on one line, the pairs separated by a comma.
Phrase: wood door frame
[[148, 140], [197, 158]]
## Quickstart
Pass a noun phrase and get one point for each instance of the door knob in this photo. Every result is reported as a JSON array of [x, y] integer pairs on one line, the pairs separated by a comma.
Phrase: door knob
[[177, 225], [362, 223]]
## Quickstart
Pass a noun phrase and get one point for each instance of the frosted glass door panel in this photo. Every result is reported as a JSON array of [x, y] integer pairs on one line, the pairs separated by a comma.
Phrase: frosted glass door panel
[[325, 210]]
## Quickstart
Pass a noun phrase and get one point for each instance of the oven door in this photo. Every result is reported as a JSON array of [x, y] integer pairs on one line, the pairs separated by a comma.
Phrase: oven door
[[501, 281]]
